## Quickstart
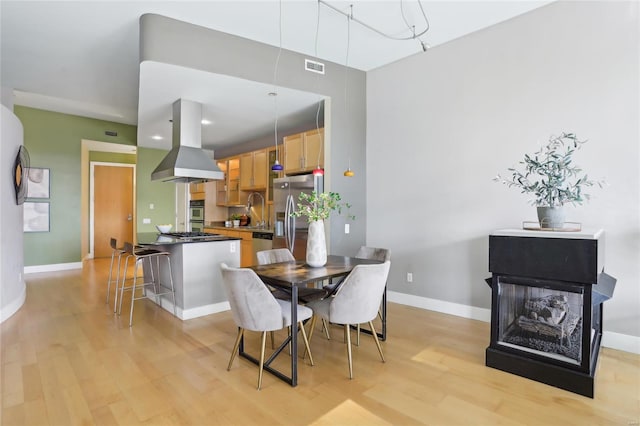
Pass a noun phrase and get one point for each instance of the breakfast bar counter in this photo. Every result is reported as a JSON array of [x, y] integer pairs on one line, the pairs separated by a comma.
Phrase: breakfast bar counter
[[195, 267]]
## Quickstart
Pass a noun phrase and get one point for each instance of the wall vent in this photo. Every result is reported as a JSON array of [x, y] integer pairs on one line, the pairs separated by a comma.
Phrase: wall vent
[[313, 66], [111, 133]]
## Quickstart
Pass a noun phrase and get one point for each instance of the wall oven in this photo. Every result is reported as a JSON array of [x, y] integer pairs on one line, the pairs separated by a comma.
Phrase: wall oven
[[196, 215]]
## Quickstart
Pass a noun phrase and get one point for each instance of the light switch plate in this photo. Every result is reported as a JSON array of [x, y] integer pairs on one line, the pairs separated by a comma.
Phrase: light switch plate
[[146, 220]]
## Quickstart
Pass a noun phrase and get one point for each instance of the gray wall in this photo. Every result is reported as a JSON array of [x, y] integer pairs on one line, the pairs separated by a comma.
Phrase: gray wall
[[12, 285], [443, 123], [167, 40]]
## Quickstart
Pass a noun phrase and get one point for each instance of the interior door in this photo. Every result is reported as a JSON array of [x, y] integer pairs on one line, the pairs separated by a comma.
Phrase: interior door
[[113, 207]]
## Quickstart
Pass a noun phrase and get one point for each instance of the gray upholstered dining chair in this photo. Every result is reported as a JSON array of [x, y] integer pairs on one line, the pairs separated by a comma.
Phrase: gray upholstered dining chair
[[371, 253], [355, 302], [254, 308]]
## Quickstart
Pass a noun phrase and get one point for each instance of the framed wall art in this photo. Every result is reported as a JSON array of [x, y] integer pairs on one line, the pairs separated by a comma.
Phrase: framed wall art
[[39, 183], [36, 216], [20, 168]]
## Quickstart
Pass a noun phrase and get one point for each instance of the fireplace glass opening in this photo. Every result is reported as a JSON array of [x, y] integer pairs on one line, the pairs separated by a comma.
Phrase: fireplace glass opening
[[543, 321]]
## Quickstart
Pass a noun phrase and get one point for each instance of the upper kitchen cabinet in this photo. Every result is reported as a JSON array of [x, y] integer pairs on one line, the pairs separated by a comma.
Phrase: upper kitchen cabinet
[[253, 170], [221, 185], [301, 151], [228, 190], [197, 191], [271, 154]]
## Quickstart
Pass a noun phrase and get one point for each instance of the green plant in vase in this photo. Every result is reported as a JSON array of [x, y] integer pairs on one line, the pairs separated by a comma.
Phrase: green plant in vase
[[317, 206], [552, 179]]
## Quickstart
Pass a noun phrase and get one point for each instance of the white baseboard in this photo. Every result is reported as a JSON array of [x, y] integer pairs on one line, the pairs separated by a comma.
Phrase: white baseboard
[[621, 342], [7, 311], [465, 311], [52, 268], [187, 314], [201, 311]]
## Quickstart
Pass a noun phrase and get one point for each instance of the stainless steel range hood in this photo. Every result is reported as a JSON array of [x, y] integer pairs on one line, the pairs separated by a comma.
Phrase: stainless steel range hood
[[187, 162]]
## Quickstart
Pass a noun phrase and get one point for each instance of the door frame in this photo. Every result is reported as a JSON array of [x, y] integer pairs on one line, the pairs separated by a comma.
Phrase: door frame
[[92, 165]]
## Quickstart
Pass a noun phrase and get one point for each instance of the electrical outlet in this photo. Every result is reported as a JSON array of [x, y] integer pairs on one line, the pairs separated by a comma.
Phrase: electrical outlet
[[146, 221], [233, 247], [346, 228], [409, 277], [151, 206]]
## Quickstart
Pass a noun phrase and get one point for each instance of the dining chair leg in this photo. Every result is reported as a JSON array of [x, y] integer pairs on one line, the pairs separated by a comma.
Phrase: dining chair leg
[[264, 341], [325, 328], [314, 318], [273, 345], [375, 337], [311, 327], [358, 335], [347, 332], [306, 343], [235, 347]]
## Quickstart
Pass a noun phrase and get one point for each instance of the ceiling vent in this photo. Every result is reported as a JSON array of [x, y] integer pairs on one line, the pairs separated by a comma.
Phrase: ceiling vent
[[313, 66]]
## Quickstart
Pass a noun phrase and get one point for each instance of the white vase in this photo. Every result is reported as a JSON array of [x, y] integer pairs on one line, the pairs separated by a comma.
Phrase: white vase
[[551, 217], [316, 245]]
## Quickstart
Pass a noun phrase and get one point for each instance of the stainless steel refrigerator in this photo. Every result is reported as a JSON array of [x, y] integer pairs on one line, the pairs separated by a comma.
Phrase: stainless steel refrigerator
[[291, 232]]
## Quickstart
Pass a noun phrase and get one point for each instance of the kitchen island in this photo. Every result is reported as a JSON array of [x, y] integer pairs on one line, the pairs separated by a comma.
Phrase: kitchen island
[[195, 267]]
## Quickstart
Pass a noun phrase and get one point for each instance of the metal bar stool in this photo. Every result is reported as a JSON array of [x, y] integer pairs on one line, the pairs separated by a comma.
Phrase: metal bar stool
[[119, 251], [139, 255]]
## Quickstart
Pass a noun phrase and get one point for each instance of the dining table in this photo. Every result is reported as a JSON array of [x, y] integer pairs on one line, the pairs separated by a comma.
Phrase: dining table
[[289, 276]]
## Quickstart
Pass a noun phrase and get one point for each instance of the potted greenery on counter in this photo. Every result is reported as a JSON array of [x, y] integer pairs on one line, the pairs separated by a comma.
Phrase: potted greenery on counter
[[235, 218], [551, 178]]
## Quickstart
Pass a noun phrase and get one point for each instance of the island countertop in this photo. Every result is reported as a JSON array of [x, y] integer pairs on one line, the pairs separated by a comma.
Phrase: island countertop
[[153, 238]]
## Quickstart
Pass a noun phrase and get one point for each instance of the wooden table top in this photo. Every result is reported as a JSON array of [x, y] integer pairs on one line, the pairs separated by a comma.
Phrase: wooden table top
[[299, 273]]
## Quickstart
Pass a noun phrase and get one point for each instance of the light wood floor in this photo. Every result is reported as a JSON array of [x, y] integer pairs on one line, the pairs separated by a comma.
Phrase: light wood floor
[[67, 360]]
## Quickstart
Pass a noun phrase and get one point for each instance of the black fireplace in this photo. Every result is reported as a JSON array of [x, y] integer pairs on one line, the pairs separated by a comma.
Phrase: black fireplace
[[548, 289]]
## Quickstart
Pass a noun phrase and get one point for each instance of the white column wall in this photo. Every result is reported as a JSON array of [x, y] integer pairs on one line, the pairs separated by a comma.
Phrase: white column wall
[[12, 286]]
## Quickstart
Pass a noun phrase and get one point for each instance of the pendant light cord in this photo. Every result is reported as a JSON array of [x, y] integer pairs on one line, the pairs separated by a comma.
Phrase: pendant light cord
[[346, 81], [319, 97], [275, 75]]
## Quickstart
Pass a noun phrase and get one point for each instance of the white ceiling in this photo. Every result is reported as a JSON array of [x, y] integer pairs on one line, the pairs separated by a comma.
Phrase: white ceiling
[[82, 57]]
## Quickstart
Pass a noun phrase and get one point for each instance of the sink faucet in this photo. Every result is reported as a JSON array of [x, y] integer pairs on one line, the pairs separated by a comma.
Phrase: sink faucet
[[249, 199]]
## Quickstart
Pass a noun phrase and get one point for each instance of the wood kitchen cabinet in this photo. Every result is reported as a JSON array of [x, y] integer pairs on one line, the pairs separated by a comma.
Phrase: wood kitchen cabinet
[[221, 185], [301, 151], [253, 170], [228, 190], [271, 175], [246, 243], [197, 191]]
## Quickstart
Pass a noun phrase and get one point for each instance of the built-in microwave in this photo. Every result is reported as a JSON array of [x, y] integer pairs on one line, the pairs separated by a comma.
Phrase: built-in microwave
[[196, 210]]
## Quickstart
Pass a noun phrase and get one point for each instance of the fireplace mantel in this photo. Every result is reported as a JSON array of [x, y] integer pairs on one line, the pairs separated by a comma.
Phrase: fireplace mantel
[[586, 234], [548, 289]]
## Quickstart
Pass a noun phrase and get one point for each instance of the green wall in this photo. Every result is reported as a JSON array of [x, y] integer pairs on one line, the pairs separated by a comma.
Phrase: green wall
[[161, 194], [54, 142], [112, 157]]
